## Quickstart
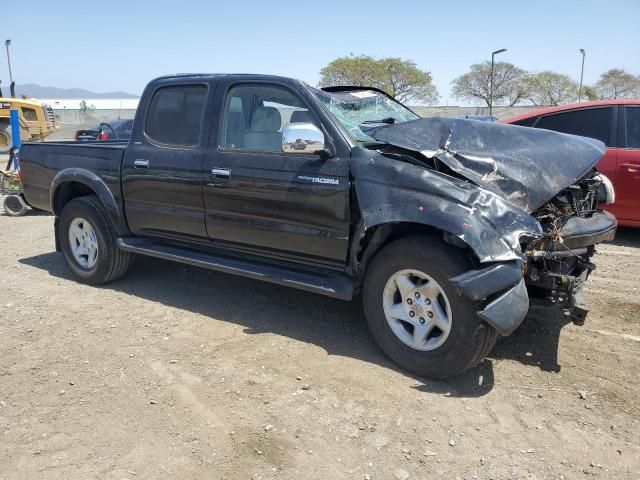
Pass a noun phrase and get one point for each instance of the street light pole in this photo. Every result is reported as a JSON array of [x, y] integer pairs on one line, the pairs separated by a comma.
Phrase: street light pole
[[7, 42], [581, 74], [493, 54]]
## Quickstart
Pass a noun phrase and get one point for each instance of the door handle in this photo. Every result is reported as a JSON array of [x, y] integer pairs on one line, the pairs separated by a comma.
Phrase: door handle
[[140, 163], [221, 172], [632, 167]]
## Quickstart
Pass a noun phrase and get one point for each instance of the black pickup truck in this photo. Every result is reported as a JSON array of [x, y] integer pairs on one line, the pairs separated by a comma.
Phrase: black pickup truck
[[449, 228]]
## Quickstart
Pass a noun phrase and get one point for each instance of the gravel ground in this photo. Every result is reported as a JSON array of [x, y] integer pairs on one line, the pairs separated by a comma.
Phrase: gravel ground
[[177, 372]]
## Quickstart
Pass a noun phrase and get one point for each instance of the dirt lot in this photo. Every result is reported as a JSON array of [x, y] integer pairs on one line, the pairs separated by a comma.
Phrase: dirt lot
[[180, 373]]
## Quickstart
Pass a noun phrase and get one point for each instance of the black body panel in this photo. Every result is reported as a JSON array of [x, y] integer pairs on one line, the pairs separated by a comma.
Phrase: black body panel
[[41, 162], [270, 202], [392, 191]]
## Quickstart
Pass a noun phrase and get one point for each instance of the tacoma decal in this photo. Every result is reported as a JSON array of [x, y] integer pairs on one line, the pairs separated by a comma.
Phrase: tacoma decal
[[328, 181]]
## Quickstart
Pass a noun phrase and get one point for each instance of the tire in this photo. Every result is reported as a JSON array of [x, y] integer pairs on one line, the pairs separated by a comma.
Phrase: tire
[[15, 206], [89, 219], [6, 142], [427, 263]]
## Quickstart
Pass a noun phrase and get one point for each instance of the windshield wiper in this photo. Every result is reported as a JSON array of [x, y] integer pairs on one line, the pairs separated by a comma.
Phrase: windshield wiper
[[388, 120]]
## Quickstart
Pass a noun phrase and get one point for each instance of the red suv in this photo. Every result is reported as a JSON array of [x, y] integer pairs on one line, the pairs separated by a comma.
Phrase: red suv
[[617, 124]]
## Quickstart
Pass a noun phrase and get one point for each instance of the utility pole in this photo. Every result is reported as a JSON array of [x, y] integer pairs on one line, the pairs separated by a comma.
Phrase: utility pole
[[7, 42], [581, 74], [493, 54]]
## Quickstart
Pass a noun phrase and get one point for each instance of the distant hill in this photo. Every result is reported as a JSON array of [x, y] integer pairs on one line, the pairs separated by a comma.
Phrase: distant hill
[[33, 90]]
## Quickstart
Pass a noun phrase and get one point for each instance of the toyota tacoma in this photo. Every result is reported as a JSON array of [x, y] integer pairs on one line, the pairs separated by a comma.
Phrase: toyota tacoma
[[448, 229]]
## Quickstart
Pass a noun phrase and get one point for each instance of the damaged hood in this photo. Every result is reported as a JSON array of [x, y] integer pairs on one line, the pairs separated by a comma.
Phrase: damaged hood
[[526, 166]]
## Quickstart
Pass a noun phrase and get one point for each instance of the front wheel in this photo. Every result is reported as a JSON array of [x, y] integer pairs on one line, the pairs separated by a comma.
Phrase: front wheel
[[415, 313], [88, 242]]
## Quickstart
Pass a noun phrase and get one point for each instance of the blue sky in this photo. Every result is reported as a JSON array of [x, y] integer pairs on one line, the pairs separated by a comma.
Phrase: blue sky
[[120, 45]]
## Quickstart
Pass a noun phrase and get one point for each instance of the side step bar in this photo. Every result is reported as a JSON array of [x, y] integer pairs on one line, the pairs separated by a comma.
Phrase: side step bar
[[334, 285]]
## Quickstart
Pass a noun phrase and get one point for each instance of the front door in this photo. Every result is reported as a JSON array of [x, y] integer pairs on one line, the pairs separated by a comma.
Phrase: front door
[[260, 200], [162, 168]]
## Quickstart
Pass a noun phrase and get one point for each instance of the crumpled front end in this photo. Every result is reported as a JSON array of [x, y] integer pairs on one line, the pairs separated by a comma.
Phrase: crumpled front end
[[555, 265], [547, 214]]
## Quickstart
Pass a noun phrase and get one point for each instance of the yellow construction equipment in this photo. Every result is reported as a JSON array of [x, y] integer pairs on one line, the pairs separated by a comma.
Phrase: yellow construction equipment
[[36, 120]]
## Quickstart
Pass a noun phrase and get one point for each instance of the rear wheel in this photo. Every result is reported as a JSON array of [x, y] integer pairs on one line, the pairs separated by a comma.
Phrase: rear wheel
[[15, 206], [417, 316], [88, 242]]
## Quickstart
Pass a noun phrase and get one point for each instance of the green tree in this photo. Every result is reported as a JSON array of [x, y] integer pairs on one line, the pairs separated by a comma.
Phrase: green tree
[[616, 83], [589, 93], [398, 77], [84, 108], [551, 88], [509, 84], [86, 111]]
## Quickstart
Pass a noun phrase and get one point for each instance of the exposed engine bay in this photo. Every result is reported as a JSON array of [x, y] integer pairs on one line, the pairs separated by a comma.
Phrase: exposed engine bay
[[559, 262]]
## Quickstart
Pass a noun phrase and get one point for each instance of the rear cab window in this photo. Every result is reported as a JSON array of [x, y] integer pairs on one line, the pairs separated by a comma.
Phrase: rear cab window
[[588, 122], [175, 115]]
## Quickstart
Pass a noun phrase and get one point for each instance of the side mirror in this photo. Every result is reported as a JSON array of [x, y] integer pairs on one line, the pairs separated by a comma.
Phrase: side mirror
[[302, 137]]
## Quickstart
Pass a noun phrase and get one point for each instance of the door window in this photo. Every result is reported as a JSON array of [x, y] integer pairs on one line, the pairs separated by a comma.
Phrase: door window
[[254, 115], [175, 113], [29, 114], [589, 122], [632, 127]]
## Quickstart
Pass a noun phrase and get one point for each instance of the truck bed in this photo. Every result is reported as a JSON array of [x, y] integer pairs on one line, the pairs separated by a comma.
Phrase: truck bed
[[40, 162]]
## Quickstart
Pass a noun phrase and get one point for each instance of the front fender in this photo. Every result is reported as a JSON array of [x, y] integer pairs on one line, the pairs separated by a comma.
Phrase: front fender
[[390, 191], [62, 187]]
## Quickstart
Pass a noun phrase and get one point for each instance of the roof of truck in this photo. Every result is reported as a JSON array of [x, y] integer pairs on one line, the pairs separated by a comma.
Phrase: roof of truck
[[220, 75]]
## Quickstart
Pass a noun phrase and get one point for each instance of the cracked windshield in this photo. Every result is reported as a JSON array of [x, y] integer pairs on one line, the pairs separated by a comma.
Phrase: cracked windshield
[[360, 110]]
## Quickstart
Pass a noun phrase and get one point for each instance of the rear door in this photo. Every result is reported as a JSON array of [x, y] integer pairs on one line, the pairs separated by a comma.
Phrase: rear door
[[260, 200], [162, 168], [628, 168]]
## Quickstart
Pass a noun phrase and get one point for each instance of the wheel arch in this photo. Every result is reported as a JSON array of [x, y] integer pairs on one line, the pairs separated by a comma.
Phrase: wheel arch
[[77, 182], [373, 238]]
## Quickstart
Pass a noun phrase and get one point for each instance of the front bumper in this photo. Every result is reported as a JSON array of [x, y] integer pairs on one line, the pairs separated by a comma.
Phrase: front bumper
[[553, 276], [505, 282], [558, 267], [580, 232], [507, 312]]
